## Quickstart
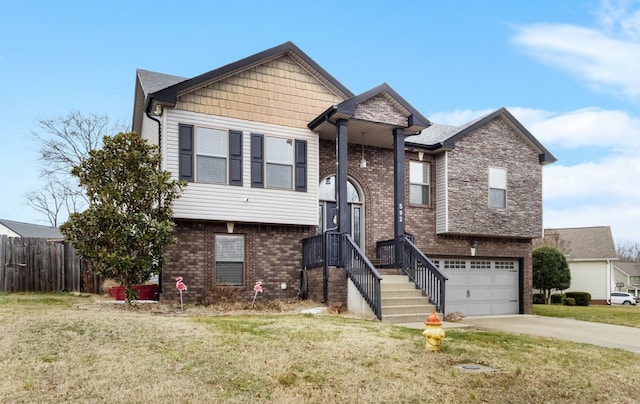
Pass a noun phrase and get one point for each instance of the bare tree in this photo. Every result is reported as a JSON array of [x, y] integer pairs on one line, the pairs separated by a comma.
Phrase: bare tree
[[64, 143], [628, 251]]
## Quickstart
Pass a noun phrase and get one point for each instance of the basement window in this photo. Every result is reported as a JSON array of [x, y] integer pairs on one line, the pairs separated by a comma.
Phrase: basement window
[[229, 260]]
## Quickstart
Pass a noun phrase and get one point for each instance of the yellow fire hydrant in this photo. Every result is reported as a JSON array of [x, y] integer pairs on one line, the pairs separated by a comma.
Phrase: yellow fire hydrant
[[434, 332]]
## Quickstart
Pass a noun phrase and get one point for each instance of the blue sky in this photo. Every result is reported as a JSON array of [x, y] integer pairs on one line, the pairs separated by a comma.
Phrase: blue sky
[[568, 70]]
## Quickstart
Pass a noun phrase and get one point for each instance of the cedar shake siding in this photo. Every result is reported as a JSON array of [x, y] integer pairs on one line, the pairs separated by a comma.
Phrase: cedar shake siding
[[279, 92]]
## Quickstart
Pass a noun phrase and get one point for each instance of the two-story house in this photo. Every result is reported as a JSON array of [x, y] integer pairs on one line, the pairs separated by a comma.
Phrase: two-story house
[[289, 173]]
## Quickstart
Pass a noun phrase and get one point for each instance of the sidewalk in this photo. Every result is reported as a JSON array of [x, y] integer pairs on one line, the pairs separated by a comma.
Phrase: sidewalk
[[605, 335]]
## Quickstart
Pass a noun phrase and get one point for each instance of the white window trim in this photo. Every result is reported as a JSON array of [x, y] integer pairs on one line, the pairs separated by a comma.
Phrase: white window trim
[[198, 153], [291, 141], [493, 185], [423, 184]]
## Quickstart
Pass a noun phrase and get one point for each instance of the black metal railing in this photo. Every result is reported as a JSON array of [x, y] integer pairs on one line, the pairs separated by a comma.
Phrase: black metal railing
[[363, 274], [386, 253], [424, 274], [313, 251], [320, 247], [417, 266]]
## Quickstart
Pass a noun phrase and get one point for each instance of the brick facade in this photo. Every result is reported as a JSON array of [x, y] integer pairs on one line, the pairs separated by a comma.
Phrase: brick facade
[[376, 183], [273, 255]]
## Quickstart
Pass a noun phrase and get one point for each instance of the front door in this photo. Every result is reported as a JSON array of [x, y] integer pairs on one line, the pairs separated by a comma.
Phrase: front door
[[327, 209]]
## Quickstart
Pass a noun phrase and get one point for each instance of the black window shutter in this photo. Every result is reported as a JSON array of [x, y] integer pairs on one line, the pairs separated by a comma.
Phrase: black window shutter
[[185, 146], [301, 165], [235, 158], [257, 161]]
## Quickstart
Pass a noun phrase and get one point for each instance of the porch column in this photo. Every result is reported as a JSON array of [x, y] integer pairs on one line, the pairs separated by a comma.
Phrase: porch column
[[341, 176], [398, 193]]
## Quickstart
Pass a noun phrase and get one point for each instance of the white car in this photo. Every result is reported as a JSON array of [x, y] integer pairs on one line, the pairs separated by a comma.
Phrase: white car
[[623, 298]]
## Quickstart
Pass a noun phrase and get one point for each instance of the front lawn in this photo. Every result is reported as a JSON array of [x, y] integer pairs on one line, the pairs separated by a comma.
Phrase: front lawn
[[619, 315], [60, 348]]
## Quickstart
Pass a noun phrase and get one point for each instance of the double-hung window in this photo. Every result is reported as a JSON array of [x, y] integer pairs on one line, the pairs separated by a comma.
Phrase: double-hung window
[[229, 259], [419, 183], [497, 188], [279, 162], [211, 155]]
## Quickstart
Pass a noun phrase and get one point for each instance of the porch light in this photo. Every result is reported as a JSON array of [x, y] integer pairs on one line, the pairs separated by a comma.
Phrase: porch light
[[158, 110], [363, 162], [474, 245]]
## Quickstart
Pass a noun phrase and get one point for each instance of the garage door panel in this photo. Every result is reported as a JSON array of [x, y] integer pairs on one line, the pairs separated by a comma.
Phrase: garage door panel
[[482, 288]]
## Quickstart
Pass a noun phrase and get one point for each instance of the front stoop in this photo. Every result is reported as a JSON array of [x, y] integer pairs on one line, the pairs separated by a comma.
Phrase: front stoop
[[402, 302]]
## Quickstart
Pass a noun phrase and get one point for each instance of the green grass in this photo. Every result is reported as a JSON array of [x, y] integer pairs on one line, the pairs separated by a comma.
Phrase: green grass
[[77, 350], [618, 315]]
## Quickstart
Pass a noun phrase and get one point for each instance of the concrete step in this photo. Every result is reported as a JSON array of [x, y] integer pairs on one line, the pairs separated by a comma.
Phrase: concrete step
[[402, 302], [390, 293], [395, 279], [405, 318], [423, 310]]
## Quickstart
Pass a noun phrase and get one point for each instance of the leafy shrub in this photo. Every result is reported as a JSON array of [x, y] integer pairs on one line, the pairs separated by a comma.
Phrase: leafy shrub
[[569, 301], [557, 298], [581, 298], [538, 298]]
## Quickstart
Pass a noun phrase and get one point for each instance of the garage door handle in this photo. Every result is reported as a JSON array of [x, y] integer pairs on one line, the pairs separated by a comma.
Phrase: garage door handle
[[468, 293]]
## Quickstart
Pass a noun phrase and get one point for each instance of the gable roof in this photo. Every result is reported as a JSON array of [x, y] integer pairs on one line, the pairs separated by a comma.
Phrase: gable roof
[[416, 122], [169, 95], [583, 243], [445, 137], [32, 230], [629, 268]]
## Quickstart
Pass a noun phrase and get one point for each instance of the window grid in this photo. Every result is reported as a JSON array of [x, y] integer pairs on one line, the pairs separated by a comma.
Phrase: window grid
[[480, 264], [455, 265], [505, 265]]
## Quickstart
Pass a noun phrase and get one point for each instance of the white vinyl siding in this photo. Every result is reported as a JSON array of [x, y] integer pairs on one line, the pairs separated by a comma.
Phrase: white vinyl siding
[[589, 276], [242, 203], [442, 218]]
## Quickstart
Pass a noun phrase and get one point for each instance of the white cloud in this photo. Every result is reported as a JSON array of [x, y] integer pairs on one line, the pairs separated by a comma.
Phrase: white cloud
[[608, 129], [611, 179], [623, 218], [606, 59]]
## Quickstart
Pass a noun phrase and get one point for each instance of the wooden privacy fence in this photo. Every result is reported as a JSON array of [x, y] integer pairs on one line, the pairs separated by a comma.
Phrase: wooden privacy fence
[[41, 265]]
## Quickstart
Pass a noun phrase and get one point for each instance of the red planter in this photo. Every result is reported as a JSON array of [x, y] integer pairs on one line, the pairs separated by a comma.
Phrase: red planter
[[145, 292]]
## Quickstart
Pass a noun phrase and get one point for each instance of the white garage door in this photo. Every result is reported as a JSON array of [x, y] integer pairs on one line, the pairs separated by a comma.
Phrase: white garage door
[[481, 287]]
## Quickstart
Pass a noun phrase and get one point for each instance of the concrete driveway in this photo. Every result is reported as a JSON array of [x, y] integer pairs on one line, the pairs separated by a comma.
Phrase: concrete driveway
[[610, 336]]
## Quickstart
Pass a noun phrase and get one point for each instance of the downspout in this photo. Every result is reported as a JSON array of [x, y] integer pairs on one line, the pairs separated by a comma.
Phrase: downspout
[[146, 111]]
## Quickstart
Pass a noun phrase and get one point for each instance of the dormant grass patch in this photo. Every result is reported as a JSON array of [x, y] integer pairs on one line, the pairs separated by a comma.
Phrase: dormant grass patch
[[60, 348], [614, 314]]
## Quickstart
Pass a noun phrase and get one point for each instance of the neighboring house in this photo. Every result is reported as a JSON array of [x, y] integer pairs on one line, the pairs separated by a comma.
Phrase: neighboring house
[[19, 229], [279, 156], [626, 277], [590, 253]]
